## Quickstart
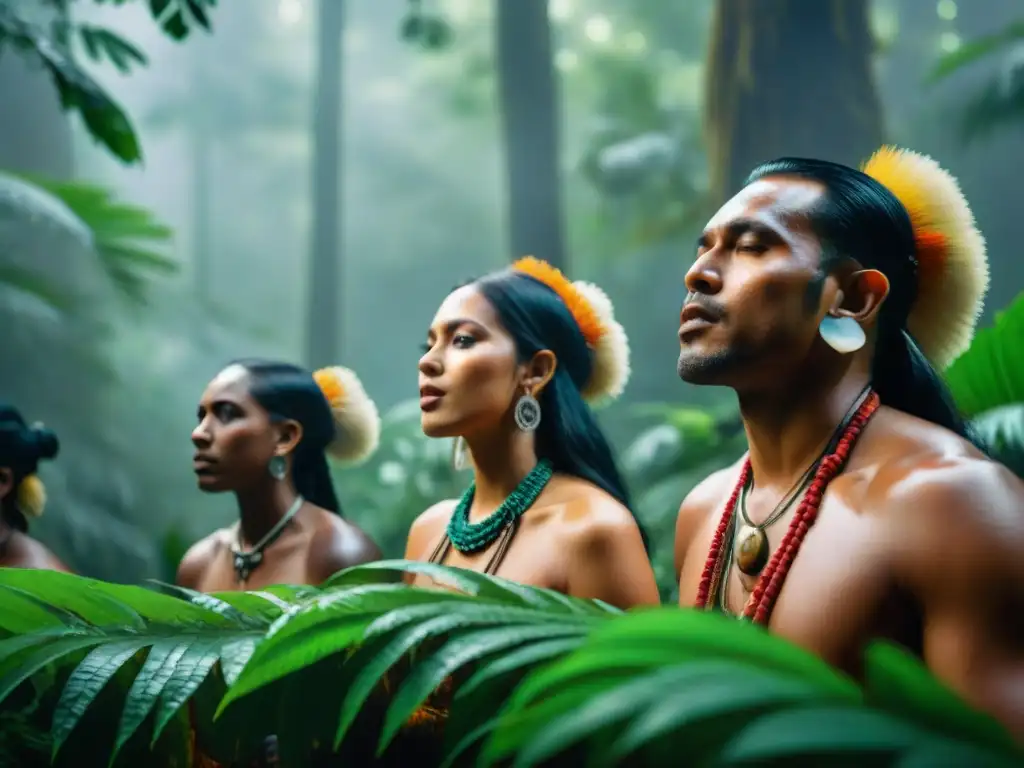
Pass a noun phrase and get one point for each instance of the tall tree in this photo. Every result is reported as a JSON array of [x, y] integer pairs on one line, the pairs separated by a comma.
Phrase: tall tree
[[323, 323], [529, 116], [789, 77]]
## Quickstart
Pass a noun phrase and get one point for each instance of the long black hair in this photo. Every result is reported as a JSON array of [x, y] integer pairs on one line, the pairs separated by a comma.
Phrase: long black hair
[[286, 391], [568, 435], [859, 219], [22, 447]]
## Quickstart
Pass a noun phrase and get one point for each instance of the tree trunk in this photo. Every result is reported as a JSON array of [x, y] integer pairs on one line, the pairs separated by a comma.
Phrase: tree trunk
[[530, 123], [323, 321], [201, 179], [789, 77]]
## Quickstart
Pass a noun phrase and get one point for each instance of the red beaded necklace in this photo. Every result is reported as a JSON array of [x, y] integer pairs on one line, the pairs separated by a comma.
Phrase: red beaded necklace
[[762, 600]]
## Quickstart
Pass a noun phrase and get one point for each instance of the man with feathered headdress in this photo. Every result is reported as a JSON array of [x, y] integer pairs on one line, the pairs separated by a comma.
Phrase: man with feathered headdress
[[828, 298]]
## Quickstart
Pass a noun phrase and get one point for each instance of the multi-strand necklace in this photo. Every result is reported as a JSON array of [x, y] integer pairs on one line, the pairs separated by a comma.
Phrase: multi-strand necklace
[[715, 577], [469, 537], [247, 561]]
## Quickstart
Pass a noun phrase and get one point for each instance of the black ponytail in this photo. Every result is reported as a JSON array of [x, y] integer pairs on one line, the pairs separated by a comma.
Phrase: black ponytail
[[907, 381], [313, 482], [287, 391], [568, 435], [859, 219]]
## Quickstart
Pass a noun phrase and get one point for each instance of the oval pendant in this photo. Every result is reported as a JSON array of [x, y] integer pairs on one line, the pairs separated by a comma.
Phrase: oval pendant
[[751, 550]]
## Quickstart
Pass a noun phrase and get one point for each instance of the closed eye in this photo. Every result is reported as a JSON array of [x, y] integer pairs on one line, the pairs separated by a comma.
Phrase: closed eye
[[751, 248]]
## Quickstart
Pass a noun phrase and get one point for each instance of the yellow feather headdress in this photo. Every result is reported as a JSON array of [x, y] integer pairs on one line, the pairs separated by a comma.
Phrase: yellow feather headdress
[[356, 419], [595, 316], [952, 270]]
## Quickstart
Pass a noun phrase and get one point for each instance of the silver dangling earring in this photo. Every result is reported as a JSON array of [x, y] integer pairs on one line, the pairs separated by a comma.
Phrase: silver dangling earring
[[843, 334], [527, 413], [459, 459], [278, 467]]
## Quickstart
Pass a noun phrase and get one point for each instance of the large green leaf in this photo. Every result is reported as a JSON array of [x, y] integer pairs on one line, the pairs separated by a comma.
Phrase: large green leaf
[[991, 372], [899, 683], [184, 639], [1001, 432], [700, 694], [975, 50], [601, 686], [129, 241]]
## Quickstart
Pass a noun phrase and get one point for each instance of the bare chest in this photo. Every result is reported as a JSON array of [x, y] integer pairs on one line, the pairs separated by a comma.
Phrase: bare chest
[[837, 594], [286, 566], [530, 558]]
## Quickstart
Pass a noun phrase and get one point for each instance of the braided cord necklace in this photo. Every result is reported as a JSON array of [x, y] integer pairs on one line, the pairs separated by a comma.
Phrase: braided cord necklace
[[248, 561], [469, 537], [762, 600], [750, 541]]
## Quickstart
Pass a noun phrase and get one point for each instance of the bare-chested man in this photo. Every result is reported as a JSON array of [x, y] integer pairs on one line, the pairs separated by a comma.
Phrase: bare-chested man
[[817, 290]]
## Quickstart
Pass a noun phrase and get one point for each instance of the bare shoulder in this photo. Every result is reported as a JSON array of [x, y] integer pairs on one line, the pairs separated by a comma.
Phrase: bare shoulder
[[702, 501], [34, 554], [426, 527], [603, 549], [199, 556], [710, 492], [590, 515], [932, 498], [338, 544], [957, 492]]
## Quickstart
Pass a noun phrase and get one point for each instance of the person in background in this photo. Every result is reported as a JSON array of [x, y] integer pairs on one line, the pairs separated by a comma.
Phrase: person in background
[[265, 431], [22, 494]]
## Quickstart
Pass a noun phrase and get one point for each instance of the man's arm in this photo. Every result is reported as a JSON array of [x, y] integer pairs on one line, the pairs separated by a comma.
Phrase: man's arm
[[957, 533], [607, 560]]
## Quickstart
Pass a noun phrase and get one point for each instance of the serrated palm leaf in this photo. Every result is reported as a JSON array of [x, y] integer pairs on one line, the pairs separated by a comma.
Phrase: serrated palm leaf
[[700, 691], [651, 637], [184, 638], [464, 580], [86, 682], [425, 678], [520, 660], [822, 733], [703, 707], [103, 604], [326, 625], [159, 667], [458, 652], [897, 682]]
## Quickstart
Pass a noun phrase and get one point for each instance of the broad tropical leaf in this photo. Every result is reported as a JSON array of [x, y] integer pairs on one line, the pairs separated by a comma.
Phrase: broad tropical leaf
[[1001, 431], [714, 689], [990, 373], [128, 240], [535, 675], [181, 641], [975, 50]]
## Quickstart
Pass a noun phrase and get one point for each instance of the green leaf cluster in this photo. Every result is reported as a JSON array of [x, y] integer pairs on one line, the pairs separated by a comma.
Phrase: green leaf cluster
[[53, 46], [536, 675], [987, 382]]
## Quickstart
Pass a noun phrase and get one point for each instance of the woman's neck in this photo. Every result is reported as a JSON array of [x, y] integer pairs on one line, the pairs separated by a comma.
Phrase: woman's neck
[[500, 462], [260, 509]]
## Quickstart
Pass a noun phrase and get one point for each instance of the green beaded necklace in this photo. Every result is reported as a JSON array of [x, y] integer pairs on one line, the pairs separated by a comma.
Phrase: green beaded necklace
[[470, 537]]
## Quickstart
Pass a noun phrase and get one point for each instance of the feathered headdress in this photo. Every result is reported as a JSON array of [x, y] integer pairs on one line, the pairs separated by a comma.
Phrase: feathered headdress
[[595, 316], [356, 420], [952, 272]]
